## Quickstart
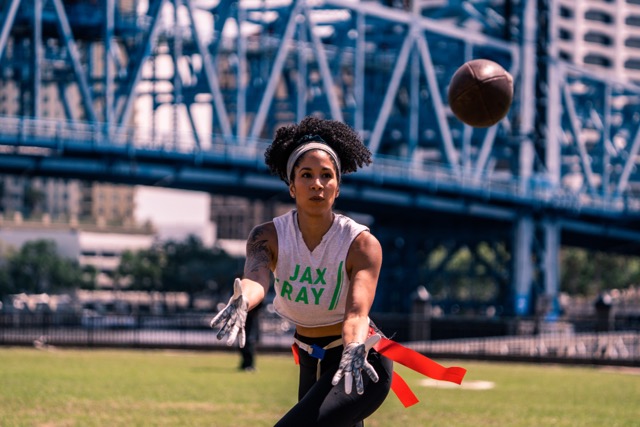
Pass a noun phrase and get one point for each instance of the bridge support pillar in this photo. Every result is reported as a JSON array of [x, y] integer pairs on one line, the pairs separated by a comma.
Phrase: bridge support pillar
[[523, 265], [536, 272], [551, 267]]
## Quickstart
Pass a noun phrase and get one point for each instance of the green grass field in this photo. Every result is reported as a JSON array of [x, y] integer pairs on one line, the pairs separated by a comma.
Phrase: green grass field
[[163, 388]]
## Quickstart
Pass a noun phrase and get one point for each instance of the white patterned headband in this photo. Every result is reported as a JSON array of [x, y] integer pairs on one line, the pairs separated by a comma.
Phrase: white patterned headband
[[315, 143]]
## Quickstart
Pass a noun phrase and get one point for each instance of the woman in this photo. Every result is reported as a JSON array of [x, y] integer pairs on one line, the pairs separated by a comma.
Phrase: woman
[[326, 269]]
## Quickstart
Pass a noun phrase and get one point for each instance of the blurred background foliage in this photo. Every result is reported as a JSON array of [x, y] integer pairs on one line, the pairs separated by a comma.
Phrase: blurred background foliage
[[189, 266]]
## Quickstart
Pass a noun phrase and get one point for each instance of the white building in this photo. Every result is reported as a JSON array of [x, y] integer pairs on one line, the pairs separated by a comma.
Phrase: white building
[[90, 245], [603, 35]]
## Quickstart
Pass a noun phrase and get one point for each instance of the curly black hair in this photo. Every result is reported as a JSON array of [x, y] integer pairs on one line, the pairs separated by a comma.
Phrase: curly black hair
[[340, 137]]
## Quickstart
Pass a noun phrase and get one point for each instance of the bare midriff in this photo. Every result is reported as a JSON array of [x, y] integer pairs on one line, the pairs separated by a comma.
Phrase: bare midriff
[[320, 331]]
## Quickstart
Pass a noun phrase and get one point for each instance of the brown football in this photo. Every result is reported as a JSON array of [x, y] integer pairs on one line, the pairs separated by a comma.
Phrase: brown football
[[480, 93]]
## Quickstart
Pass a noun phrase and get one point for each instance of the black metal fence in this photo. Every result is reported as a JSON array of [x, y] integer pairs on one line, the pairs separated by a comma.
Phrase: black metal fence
[[586, 340], [186, 331]]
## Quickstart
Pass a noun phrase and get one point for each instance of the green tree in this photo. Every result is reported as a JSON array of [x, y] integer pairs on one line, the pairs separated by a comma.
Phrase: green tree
[[6, 286], [193, 268], [37, 267], [176, 266], [89, 277], [141, 270], [585, 272], [466, 273]]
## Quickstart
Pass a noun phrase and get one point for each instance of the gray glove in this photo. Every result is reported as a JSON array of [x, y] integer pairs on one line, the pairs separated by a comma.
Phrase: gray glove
[[232, 318], [353, 362]]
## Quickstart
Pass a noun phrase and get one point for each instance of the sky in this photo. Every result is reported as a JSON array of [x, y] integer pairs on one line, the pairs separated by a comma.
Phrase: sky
[[171, 207], [175, 213]]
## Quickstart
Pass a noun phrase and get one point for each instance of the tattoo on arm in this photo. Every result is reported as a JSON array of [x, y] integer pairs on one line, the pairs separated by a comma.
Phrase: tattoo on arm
[[258, 253]]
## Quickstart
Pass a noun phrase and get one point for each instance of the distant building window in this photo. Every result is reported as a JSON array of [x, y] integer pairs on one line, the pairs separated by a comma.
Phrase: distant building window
[[633, 20], [599, 16], [632, 64], [565, 12], [632, 42], [597, 60], [566, 35], [566, 56], [230, 225], [598, 38]]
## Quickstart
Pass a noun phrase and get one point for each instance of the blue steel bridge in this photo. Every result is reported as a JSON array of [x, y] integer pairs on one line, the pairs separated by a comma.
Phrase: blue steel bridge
[[186, 94]]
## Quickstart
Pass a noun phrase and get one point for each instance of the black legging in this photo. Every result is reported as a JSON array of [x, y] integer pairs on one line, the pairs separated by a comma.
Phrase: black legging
[[322, 404]]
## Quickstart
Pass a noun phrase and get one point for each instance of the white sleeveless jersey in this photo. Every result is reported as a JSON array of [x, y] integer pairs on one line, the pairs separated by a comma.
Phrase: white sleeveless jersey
[[311, 287]]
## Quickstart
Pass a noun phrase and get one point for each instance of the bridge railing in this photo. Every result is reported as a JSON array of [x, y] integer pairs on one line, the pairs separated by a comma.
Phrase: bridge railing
[[538, 189], [60, 135], [53, 137]]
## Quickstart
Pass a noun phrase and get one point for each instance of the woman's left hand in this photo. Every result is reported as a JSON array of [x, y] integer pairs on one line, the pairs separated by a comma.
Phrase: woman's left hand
[[353, 362]]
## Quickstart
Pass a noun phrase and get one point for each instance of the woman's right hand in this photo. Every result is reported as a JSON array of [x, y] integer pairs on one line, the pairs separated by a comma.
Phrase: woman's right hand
[[232, 318]]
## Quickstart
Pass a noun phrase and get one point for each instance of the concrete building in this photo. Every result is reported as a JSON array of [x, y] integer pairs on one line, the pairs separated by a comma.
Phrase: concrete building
[[67, 200], [603, 35], [34, 197], [112, 204], [234, 218]]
